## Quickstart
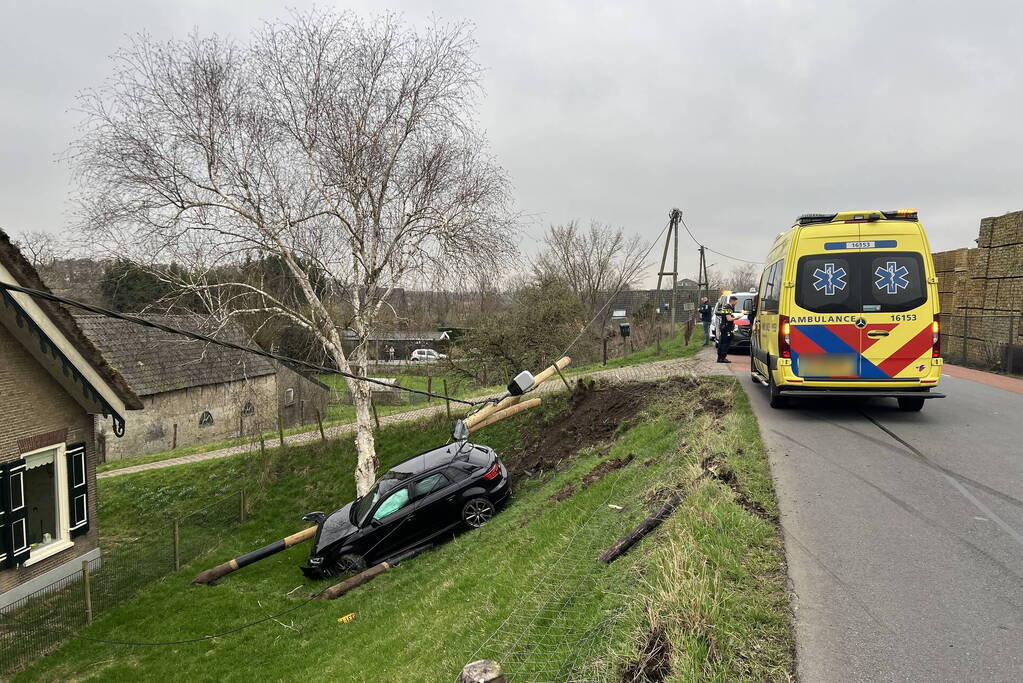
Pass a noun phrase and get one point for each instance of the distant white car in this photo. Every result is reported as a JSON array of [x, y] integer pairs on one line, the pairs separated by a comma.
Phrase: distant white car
[[426, 356], [744, 305]]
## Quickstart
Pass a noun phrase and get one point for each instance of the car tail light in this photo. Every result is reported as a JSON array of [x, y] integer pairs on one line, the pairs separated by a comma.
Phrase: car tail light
[[936, 336], [492, 473], [784, 332]]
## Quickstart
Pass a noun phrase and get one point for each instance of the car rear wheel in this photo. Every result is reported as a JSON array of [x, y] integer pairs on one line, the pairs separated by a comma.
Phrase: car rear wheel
[[776, 399], [477, 512], [911, 405]]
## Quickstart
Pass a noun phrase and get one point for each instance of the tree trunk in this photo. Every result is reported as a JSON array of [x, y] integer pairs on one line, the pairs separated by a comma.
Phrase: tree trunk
[[366, 464]]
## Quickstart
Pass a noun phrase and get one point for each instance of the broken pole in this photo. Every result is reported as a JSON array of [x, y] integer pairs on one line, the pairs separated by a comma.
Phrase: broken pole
[[210, 576], [339, 589]]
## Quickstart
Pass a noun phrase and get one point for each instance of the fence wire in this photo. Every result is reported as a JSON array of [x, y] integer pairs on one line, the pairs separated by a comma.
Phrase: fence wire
[[43, 620]]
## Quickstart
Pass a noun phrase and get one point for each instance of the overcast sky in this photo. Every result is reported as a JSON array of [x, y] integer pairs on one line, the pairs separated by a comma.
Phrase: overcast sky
[[742, 114]]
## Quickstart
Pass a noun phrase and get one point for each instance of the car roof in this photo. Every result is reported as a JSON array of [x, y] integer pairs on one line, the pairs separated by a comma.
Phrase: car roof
[[416, 465]]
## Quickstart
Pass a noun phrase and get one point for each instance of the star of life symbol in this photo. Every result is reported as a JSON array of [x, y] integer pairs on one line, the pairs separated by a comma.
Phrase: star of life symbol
[[891, 278], [829, 279]]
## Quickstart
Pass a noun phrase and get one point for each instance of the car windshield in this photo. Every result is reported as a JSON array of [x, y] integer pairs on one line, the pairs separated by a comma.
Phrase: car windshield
[[365, 504]]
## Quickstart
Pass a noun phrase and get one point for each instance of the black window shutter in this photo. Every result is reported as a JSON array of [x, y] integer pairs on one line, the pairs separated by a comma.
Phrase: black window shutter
[[77, 489], [15, 526]]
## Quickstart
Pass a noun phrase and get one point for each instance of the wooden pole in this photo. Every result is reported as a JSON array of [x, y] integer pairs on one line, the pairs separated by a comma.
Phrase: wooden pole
[[605, 351], [429, 389], [509, 401], [562, 376], [447, 401], [174, 439], [177, 546], [376, 418], [319, 423], [280, 427], [339, 589], [507, 412], [87, 589], [209, 576]]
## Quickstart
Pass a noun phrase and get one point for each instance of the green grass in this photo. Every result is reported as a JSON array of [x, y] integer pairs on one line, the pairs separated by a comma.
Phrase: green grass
[[711, 577], [673, 347]]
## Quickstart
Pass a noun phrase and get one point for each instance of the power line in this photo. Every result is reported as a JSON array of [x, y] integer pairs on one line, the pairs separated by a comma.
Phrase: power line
[[238, 347], [715, 251], [610, 298]]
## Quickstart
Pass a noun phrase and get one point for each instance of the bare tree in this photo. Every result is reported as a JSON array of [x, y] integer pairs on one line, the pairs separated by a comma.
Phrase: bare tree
[[742, 278], [345, 148], [594, 262], [42, 249]]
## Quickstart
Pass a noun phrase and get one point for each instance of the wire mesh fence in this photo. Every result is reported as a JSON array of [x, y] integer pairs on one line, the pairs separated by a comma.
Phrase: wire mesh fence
[[985, 341], [43, 620]]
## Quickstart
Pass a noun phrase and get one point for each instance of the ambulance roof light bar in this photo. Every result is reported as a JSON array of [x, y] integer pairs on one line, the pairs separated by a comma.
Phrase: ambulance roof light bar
[[857, 216]]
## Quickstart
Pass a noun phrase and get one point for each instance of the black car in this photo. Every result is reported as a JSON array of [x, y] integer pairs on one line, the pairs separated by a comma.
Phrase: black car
[[412, 504]]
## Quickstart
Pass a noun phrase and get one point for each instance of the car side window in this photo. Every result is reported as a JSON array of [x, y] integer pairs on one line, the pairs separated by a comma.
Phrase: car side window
[[425, 487], [392, 503], [455, 473]]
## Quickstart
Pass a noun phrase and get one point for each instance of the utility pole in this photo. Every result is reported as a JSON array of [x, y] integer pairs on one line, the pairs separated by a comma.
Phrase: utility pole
[[674, 217], [704, 284]]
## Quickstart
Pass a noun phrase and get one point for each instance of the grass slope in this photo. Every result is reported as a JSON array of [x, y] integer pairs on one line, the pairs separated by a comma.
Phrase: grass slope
[[702, 597]]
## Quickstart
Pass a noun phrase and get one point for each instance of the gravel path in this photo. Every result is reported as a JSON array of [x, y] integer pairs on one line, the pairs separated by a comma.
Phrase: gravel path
[[633, 373]]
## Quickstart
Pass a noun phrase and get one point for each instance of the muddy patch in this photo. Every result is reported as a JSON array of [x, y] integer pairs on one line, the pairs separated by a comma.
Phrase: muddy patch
[[654, 664], [726, 475], [593, 476], [595, 414]]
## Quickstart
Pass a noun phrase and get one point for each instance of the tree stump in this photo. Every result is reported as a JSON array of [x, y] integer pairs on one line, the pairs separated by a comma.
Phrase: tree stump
[[482, 671]]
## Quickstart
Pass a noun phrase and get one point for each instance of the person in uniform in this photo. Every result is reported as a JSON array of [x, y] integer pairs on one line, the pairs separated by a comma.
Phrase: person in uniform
[[706, 313], [726, 316]]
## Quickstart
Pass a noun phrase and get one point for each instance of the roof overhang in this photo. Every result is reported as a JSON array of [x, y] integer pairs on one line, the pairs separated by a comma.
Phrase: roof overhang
[[25, 319]]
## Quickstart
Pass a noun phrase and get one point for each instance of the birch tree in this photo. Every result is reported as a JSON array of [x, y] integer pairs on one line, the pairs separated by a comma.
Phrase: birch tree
[[344, 147]]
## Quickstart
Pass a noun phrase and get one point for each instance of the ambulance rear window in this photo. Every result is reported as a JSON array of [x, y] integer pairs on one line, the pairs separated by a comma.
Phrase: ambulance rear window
[[870, 282]]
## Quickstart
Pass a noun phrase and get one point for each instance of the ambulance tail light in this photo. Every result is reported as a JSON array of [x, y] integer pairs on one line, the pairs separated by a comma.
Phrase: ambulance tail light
[[784, 332], [936, 336]]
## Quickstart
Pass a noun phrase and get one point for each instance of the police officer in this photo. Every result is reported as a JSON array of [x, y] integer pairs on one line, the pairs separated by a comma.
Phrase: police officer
[[706, 313], [726, 318]]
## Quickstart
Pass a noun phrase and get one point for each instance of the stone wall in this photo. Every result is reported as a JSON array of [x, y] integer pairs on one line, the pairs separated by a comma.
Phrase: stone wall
[[172, 419], [981, 293]]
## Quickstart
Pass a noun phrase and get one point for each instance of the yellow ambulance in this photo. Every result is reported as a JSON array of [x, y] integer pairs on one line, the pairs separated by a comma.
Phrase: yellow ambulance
[[848, 306]]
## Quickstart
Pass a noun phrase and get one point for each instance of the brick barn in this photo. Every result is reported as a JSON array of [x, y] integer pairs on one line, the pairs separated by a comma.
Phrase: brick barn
[[54, 384], [194, 392]]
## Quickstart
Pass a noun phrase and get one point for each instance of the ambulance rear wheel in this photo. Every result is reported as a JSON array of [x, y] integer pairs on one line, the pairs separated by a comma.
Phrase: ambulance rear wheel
[[776, 399], [911, 405]]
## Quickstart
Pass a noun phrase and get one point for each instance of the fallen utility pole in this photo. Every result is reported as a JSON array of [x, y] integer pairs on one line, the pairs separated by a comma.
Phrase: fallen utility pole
[[648, 524], [339, 589], [479, 416], [210, 576]]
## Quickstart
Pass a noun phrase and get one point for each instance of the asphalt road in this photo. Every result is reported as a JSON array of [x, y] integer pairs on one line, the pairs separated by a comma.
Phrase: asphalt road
[[906, 561]]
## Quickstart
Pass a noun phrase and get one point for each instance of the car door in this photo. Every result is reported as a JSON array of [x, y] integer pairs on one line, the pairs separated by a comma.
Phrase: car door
[[392, 525], [436, 504]]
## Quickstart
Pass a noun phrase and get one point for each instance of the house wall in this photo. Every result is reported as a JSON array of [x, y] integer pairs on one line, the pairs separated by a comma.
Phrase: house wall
[[308, 398], [38, 412], [152, 429]]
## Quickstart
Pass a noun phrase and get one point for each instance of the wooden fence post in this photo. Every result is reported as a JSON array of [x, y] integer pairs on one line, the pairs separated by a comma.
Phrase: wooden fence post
[[376, 418], [177, 546], [447, 401], [87, 588], [482, 671], [174, 439], [280, 427], [605, 351], [319, 422], [429, 390], [264, 460]]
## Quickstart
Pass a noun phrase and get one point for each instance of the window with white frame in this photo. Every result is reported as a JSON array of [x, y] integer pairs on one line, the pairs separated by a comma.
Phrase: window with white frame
[[45, 491], [289, 396]]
